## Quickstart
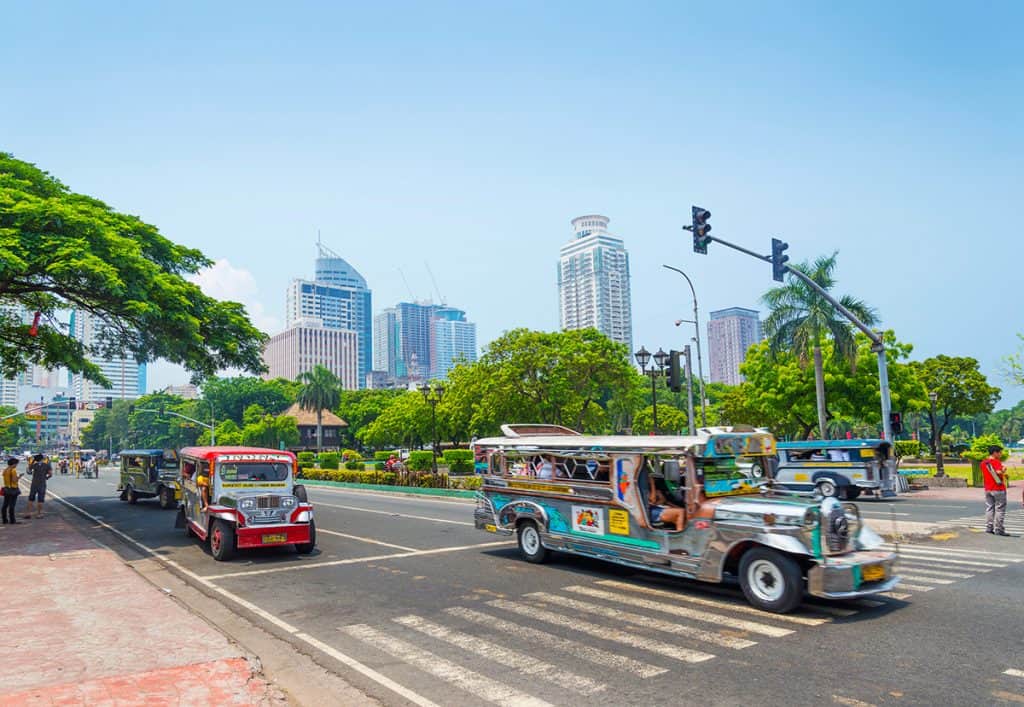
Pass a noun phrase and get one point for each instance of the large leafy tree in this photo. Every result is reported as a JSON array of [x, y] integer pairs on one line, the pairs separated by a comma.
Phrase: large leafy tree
[[8, 428], [960, 389], [60, 250], [803, 322], [229, 397], [405, 423], [321, 390], [359, 408]]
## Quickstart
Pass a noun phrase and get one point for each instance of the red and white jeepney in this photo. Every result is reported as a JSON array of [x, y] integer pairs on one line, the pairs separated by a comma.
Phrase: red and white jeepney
[[244, 497]]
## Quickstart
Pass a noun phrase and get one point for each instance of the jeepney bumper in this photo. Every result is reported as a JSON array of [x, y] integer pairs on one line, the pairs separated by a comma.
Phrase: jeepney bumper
[[485, 518], [855, 574], [270, 535]]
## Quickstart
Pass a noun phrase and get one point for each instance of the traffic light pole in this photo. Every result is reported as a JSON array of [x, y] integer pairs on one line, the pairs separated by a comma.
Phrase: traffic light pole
[[689, 391], [700, 360], [877, 344]]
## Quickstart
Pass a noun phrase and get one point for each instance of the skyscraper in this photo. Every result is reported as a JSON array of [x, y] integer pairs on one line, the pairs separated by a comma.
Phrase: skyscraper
[[339, 297], [593, 281], [307, 344], [127, 376], [453, 339], [420, 340], [386, 346], [730, 333]]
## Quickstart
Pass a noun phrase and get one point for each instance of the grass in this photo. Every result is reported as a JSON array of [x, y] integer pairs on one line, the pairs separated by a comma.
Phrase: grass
[[961, 470]]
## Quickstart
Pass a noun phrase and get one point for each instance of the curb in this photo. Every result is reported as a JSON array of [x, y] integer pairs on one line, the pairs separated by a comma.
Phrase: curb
[[395, 490]]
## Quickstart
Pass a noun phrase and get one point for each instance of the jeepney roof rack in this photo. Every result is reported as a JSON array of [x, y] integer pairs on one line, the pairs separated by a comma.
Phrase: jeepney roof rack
[[529, 429]]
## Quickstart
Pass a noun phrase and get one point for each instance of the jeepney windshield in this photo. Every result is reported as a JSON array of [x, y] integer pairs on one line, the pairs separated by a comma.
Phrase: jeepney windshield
[[253, 471]]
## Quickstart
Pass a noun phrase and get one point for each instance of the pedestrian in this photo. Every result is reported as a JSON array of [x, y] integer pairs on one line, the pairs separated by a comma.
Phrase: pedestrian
[[41, 471], [995, 491], [11, 490]]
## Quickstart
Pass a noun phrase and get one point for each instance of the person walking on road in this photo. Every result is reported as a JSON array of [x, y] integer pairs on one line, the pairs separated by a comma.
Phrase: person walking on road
[[11, 490], [995, 491], [41, 471]]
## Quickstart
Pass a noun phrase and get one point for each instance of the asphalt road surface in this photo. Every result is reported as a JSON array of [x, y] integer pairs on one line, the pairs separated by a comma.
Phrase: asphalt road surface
[[408, 602]]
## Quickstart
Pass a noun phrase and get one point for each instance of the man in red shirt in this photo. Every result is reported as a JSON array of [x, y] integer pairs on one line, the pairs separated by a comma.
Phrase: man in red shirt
[[995, 491]]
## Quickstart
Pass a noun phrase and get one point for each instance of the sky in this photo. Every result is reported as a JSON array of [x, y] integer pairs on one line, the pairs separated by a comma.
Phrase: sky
[[464, 137]]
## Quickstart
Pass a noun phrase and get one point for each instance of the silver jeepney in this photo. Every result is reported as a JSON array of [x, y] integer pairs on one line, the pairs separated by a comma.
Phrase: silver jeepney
[[558, 490]]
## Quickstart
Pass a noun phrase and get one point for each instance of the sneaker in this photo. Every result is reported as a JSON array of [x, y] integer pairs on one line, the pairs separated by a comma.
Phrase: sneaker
[[1003, 533], [991, 532]]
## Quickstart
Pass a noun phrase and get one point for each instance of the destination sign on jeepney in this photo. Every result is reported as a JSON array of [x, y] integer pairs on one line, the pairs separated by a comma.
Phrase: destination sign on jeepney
[[254, 458]]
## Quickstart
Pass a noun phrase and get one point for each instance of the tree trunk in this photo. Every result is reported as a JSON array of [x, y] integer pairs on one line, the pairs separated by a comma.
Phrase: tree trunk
[[319, 430], [819, 389]]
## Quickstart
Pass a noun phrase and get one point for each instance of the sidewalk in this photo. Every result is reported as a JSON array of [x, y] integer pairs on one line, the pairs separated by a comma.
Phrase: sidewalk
[[83, 628]]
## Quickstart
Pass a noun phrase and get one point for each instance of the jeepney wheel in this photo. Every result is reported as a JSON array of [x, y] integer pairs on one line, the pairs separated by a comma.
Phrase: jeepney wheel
[[132, 497], [166, 498], [222, 540], [306, 548], [827, 488], [529, 543], [770, 580]]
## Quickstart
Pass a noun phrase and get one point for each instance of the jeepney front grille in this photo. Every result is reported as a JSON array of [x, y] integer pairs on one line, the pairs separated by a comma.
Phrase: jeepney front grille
[[263, 517], [268, 502], [837, 530]]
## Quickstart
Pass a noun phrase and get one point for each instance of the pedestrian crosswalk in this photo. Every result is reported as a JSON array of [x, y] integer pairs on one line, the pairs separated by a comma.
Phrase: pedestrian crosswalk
[[1014, 681], [588, 638], [1014, 521]]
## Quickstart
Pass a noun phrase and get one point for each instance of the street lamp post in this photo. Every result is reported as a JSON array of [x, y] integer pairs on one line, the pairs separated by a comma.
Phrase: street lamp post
[[432, 395], [643, 357], [940, 467], [700, 360]]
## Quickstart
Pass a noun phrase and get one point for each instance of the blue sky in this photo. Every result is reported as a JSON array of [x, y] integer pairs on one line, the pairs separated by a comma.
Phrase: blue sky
[[467, 135]]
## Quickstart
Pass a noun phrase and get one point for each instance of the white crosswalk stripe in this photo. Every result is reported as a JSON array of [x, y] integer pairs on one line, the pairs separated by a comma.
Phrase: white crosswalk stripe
[[926, 580], [946, 561], [685, 655], [475, 683], [914, 587], [1013, 521], [921, 568], [1012, 672], [513, 659], [962, 553]]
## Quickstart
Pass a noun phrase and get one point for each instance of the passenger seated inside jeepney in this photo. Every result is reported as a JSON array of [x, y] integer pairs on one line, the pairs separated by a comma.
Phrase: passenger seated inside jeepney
[[661, 509], [547, 468]]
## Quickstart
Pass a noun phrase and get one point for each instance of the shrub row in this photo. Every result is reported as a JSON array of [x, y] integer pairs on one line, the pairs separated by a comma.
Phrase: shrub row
[[459, 461], [390, 478]]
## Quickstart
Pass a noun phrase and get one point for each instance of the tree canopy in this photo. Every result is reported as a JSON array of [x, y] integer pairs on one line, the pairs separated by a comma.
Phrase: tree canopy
[[61, 250]]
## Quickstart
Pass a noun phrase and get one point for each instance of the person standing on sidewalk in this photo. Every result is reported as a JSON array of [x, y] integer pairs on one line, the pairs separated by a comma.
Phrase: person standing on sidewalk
[[11, 490], [41, 471], [995, 491]]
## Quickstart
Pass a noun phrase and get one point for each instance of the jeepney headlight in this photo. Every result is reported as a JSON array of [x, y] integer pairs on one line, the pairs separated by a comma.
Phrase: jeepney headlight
[[289, 502], [247, 504], [810, 518]]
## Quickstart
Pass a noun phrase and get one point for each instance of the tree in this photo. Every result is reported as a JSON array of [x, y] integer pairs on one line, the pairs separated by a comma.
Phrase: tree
[[8, 428], [405, 423], [960, 388], [359, 408], [229, 397], [60, 250], [270, 431], [1013, 365], [671, 420], [228, 433], [321, 390], [802, 321]]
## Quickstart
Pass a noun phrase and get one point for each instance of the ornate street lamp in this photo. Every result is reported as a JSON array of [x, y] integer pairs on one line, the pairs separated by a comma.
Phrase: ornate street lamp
[[643, 357], [432, 395]]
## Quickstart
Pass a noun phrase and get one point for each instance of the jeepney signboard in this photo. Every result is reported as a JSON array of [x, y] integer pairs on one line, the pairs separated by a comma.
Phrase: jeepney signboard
[[254, 458], [588, 519], [618, 521]]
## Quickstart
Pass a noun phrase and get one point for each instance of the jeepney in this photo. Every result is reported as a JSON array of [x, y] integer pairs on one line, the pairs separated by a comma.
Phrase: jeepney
[[149, 473], [843, 468], [557, 490], [244, 497]]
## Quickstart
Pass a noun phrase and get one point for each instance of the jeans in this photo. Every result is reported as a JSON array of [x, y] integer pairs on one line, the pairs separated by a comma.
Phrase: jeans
[[10, 499], [995, 510]]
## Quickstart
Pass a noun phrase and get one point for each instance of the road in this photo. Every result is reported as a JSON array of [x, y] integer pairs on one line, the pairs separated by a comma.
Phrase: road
[[408, 602]]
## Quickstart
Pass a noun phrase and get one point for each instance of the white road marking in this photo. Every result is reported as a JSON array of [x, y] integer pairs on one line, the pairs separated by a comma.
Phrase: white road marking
[[915, 567], [850, 702], [958, 552], [1014, 673], [354, 560], [506, 657], [578, 649], [881, 514], [393, 514], [945, 561], [364, 540], [914, 587], [895, 595], [1008, 696], [684, 612], [730, 606], [609, 634], [927, 580], [265, 615], [474, 683]]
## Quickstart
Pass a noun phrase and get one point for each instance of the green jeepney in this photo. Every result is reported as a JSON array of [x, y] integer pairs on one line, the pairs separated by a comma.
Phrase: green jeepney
[[150, 473]]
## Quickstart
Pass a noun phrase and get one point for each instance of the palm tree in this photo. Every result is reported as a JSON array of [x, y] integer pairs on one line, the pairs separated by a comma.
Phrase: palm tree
[[801, 321], [320, 390]]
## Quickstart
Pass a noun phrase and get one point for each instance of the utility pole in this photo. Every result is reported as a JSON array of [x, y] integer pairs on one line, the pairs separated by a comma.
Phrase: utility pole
[[689, 391], [700, 360]]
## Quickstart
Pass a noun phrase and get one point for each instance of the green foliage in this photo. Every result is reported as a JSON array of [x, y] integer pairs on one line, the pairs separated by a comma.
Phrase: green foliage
[[359, 408], [229, 397], [907, 448], [306, 457], [467, 483], [420, 460], [405, 422], [329, 460], [961, 389], [228, 433], [269, 431], [9, 431], [980, 445], [61, 250], [459, 461], [1013, 365], [348, 454], [321, 390], [355, 464], [671, 420], [384, 456]]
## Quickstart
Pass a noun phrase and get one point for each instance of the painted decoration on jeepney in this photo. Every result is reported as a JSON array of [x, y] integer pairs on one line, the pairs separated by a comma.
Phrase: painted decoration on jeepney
[[727, 483], [588, 519], [618, 521]]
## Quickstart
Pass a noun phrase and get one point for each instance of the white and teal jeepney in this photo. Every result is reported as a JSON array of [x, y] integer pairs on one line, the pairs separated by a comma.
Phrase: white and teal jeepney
[[837, 467], [559, 490]]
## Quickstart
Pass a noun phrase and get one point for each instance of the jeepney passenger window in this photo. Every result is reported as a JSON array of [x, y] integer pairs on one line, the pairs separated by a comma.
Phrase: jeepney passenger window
[[188, 469]]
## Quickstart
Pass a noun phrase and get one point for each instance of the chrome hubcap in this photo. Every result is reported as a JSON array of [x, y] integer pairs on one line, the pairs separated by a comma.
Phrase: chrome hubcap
[[531, 541], [766, 580]]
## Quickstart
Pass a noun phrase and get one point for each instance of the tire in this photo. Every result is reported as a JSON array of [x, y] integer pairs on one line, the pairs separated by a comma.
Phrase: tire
[[300, 493], [167, 498], [306, 548], [132, 497], [770, 580], [851, 493], [529, 543], [222, 540], [827, 488], [123, 496]]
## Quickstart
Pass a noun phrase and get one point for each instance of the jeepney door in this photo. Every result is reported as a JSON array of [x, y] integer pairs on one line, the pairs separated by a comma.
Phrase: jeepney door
[[629, 490], [191, 496]]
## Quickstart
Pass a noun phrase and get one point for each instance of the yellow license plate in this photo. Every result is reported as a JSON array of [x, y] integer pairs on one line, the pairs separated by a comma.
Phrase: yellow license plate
[[275, 538], [490, 528], [873, 573]]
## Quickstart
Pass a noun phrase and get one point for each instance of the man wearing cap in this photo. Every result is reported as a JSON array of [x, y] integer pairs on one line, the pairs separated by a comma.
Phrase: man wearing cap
[[994, 475]]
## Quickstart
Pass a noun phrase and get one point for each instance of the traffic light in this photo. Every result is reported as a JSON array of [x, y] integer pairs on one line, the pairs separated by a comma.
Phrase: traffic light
[[896, 422], [673, 375], [108, 403], [779, 260], [72, 404], [701, 228]]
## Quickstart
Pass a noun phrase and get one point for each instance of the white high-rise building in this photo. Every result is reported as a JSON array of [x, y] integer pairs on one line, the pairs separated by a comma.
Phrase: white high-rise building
[[730, 333], [386, 342], [593, 281], [452, 341], [127, 376], [308, 343]]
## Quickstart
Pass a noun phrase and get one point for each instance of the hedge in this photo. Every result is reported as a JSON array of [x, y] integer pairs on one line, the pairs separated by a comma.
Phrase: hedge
[[907, 448], [421, 460], [307, 457], [390, 478], [385, 455], [329, 460], [459, 461]]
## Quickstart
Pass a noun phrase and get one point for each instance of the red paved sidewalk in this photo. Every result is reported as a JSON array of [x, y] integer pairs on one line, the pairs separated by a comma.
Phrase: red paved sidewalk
[[80, 627]]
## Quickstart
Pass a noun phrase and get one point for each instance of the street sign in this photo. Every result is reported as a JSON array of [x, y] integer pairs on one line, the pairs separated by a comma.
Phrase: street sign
[[35, 416]]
